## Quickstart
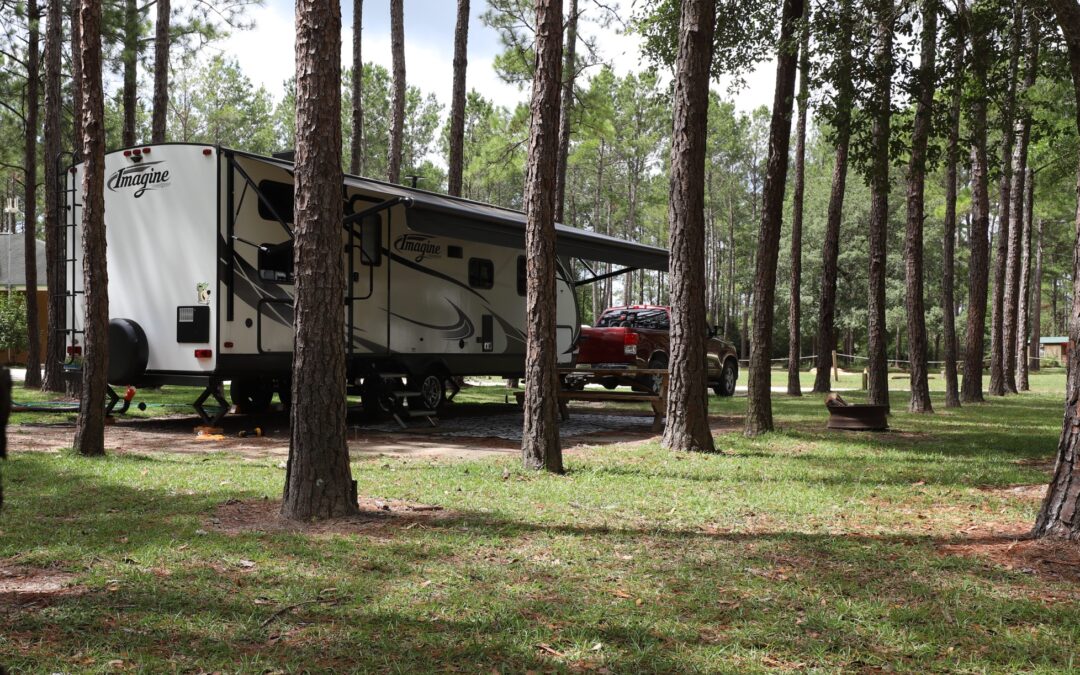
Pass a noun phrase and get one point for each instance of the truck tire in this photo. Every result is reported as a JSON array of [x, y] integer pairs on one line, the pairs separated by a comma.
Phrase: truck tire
[[728, 374], [129, 352], [658, 362], [251, 393]]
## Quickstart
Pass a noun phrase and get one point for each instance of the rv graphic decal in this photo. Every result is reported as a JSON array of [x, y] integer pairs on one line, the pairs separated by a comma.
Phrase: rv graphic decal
[[459, 330], [419, 244], [142, 177]]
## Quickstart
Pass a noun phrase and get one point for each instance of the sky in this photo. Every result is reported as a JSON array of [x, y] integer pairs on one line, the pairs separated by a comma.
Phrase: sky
[[265, 53]]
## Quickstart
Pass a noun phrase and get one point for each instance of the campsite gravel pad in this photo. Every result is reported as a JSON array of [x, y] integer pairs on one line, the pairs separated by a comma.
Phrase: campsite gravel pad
[[508, 426]]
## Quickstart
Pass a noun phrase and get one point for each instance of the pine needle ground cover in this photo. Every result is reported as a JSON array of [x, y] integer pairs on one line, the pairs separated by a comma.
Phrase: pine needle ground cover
[[803, 550]]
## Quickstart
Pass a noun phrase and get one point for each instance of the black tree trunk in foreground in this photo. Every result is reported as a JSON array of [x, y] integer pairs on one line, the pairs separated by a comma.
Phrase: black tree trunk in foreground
[[30, 149], [913, 241], [540, 447], [978, 265], [687, 406], [948, 272], [794, 387], [877, 330], [318, 482], [759, 407], [54, 344], [90, 425], [1060, 512], [456, 161], [397, 97], [566, 105], [830, 254]]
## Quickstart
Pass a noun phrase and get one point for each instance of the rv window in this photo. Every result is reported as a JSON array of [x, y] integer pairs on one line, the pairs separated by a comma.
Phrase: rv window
[[280, 196], [481, 273], [371, 241], [521, 275], [276, 262]]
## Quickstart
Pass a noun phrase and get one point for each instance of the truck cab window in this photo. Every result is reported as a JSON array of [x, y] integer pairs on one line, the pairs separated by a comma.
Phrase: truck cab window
[[276, 262]]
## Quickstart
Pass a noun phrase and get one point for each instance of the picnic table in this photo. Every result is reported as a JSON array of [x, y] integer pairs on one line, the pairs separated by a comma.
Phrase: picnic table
[[623, 376]]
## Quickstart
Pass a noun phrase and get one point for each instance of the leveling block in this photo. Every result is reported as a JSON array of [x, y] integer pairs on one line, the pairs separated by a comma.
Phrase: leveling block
[[207, 433]]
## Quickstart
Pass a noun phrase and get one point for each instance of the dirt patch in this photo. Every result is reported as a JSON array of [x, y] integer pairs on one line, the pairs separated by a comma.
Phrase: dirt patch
[[1012, 548], [376, 517], [34, 586], [1028, 493]]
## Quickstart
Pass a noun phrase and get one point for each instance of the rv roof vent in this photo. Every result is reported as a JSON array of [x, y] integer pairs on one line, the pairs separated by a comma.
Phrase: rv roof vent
[[287, 155]]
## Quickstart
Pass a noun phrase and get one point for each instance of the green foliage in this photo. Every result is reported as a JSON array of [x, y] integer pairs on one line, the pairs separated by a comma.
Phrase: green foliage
[[12, 321]]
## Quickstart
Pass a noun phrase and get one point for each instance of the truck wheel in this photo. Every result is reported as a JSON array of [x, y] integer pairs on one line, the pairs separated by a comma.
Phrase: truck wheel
[[252, 394], [728, 375], [658, 362], [432, 387]]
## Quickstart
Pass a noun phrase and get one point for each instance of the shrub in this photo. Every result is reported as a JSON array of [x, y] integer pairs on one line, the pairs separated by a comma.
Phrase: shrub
[[12, 321]]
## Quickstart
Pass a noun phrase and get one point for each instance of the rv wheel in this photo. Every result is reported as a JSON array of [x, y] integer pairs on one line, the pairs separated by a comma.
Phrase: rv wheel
[[377, 396], [252, 394], [432, 390]]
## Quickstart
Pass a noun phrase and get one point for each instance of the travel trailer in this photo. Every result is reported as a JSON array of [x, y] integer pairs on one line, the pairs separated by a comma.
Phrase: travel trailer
[[200, 263]]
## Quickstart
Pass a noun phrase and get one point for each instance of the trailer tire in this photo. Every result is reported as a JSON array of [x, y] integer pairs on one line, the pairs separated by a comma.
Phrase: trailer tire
[[432, 387], [129, 352], [251, 394], [376, 395]]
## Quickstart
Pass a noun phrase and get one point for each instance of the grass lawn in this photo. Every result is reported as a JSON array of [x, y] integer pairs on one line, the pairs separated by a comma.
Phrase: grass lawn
[[804, 550]]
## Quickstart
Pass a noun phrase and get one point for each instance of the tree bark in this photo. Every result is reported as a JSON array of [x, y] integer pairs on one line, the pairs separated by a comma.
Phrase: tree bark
[[356, 142], [90, 425], [540, 447], [457, 107], [1011, 311], [978, 272], [687, 425], [1024, 310], [759, 418], [161, 72], [54, 345], [1036, 300], [1060, 512], [878, 365], [830, 254], [76, 81], [397, 98], [952, 158], [130, 59], [998, 342], [33, 349], [794, 387], [913, 241], [566, 107], [318, 481]]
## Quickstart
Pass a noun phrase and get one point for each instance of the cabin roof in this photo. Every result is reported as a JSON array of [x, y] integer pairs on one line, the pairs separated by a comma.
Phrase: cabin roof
[[443, 215]]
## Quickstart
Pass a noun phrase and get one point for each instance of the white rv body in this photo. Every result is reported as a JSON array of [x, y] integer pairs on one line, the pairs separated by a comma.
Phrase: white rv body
[[199, 258]]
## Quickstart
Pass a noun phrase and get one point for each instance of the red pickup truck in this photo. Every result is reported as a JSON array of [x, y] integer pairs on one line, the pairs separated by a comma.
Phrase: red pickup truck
[[638, 335]]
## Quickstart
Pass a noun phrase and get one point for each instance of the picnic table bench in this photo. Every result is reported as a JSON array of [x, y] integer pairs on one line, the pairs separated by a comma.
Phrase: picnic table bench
[[622, 376]]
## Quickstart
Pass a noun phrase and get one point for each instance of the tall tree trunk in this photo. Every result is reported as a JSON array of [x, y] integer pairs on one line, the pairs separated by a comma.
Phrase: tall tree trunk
[[76, 81], [161, 72], [131, 63], [33, 70], [688, 406], [978, 263], [540, 447], [457, 106], [913, 242], [794, 388], [1024, 311], [1012, 335], [90, 425], [53, 377], [567, 104], [397, 98], [878, 365], [998, 343], [318, 482], [830, 254], [1036, 300], [759, 418], [1060, 512], [356, 142], [952, 158]]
